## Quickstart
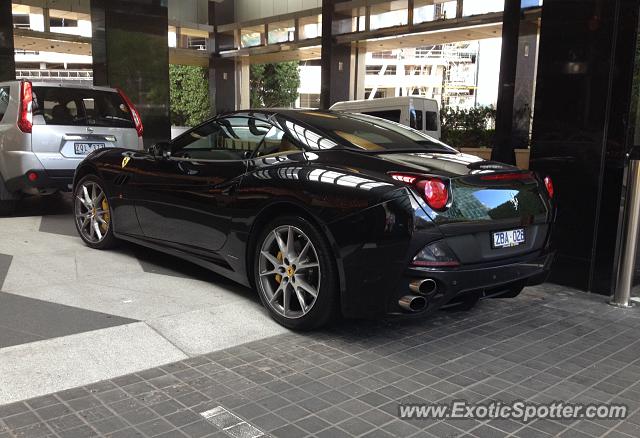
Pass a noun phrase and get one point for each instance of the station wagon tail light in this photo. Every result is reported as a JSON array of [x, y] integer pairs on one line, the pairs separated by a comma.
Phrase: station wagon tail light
[[548, 183], [25, 117], [433, 190], [435, 255], [134, 112]]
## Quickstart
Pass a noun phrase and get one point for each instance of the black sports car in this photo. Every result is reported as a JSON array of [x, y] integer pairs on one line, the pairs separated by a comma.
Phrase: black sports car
[[323, 212]]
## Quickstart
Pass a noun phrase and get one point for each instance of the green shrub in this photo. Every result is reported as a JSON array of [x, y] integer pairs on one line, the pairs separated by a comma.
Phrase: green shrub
[[274, 85], [189, 95], [473, 127]]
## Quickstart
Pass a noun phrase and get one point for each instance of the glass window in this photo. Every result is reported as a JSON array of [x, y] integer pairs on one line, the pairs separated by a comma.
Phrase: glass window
[[80, 107], [251, 36], [276, 142], [228, 138], [432, 121], [21, 21], [281, 32], [434, 10], [477, 7], [389, 14], [4, 101], [416, 119], [227, 40], [62, 22], [310, 27], [348, 19], [392, 115]]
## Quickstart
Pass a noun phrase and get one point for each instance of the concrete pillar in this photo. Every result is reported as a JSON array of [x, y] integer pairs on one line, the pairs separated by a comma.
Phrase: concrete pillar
[[503, 147], [223, 74], [243, 72], [335, 62], [360, 71], [7, 59], [586, 97], [130, 51]]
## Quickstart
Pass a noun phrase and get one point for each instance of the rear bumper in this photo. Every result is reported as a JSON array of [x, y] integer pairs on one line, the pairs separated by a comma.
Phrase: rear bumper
[[46, 180], [488, 278]]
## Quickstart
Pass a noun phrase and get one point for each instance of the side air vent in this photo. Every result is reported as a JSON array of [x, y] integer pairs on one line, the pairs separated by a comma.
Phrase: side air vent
[[121, 180]]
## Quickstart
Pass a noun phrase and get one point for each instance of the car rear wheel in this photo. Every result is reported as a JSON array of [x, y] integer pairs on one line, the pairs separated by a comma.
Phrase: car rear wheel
[[295, 274], [93, 213]]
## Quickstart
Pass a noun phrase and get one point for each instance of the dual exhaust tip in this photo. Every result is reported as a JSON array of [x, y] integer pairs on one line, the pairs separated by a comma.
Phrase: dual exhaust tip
[[421, 289]]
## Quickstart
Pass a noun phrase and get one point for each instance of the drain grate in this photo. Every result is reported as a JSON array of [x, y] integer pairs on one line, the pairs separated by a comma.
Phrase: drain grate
[[231, 423]]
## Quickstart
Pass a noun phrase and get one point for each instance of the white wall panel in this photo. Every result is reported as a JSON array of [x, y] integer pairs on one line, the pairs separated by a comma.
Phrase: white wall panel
[[247, 10]]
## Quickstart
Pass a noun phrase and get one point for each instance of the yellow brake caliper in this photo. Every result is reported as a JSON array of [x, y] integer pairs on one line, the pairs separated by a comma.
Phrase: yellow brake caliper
[[279, 257], [106, 216]]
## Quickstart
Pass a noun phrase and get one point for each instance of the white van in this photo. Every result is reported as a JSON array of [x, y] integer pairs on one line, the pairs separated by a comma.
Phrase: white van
[[417, 112]]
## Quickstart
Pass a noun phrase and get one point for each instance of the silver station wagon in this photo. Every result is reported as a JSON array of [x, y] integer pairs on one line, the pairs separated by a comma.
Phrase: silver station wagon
[[46, 130]]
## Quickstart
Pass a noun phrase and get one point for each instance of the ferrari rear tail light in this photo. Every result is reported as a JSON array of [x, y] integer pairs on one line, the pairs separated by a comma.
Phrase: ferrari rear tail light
[[548, 183], [433, 190], [134, 112], [25, 116], [437, 254]]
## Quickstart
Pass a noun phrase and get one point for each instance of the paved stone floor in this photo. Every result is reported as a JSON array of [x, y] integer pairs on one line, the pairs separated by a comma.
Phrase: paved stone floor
[[549, 344], [70, 315], [155, 347]]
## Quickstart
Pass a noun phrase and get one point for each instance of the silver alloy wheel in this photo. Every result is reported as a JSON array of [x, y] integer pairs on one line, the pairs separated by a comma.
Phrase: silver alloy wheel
[[289, 271], [92, 212]]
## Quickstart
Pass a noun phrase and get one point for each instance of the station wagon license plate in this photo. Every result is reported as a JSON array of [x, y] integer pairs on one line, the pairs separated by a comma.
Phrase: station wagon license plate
[[86, 148], [507, 239]]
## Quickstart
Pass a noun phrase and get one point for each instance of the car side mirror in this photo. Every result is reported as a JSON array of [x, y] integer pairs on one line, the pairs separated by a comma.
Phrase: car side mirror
[[161, 150]]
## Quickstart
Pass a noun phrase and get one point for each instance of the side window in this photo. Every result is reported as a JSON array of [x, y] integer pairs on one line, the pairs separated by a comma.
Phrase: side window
[[432, 121], [4, 101], [276, 142], [419, 120], [391, 115], [228, 138]]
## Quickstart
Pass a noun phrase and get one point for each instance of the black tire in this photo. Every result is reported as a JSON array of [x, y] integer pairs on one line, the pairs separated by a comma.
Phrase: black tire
[[108, 240], [8, 208], [324, 308]]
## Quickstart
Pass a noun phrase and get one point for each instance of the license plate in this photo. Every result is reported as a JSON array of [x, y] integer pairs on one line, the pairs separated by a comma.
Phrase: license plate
[[507, 239], [86, 148]]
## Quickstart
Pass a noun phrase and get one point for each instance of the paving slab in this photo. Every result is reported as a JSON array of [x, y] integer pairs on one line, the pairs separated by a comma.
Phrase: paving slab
[[42, 367]]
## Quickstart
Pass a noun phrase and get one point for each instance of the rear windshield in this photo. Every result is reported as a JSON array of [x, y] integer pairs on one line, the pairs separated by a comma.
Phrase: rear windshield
[[80, 107], [372, 134]]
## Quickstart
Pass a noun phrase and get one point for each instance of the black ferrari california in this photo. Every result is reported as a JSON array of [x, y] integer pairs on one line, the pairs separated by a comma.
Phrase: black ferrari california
[[325, 213]]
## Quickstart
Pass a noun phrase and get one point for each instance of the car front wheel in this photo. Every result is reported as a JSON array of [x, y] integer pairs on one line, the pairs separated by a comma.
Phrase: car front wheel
[[295, 273], [93, 214]]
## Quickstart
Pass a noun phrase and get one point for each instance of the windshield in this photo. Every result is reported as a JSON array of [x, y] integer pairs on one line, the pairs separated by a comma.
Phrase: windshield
[[371, 134]]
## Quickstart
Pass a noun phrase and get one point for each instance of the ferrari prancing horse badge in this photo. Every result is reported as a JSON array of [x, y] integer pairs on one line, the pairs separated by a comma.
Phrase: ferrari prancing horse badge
[[125, 161]]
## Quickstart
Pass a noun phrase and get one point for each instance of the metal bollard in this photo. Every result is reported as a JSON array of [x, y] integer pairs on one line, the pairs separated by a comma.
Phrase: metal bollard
[[629, 237]]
